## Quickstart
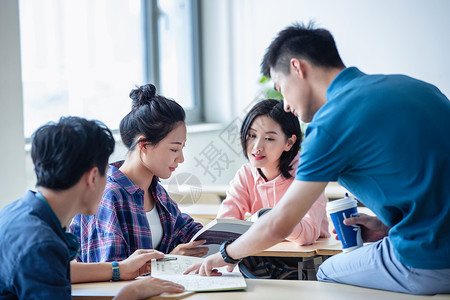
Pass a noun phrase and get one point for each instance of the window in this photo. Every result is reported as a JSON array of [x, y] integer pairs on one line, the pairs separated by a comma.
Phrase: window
[[82, 57], [176, 63]]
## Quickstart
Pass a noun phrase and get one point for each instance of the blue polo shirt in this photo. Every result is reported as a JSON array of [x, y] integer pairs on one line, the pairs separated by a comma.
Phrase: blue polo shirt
[[386, 138], [34, 256]]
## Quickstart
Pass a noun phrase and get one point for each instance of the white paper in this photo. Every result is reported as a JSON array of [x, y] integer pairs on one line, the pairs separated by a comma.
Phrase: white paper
[[173, 270]]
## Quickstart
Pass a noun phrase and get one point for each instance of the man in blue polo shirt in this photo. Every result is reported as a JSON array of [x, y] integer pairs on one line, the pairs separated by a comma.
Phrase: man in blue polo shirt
[[70, 159], [383, 137]]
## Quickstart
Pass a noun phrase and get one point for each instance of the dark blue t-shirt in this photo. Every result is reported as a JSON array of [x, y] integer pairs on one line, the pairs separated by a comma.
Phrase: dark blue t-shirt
[[34, 257], [386, 138]]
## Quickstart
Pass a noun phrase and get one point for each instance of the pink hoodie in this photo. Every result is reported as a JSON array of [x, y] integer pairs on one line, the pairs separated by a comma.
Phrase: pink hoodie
[[249, 192]]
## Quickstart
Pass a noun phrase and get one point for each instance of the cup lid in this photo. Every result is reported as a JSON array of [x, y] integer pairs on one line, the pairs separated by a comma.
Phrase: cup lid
[[341, 204]]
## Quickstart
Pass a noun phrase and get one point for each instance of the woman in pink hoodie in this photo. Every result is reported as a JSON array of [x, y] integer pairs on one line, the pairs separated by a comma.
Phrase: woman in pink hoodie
[[270, 139]]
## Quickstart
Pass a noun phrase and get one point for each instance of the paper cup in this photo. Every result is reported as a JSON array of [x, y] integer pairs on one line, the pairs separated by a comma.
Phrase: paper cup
[[339, 210]]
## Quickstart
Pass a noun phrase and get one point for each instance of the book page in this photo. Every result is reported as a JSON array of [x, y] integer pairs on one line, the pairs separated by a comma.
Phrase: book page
[[219, 231], [172, 270], [177, 266]]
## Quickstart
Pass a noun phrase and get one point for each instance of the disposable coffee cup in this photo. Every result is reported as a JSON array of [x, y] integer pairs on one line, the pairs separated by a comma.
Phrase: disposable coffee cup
[[339, 210]]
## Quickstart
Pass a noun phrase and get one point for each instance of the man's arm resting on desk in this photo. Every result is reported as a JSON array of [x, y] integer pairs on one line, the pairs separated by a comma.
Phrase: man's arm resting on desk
[[136, 264], [148, 287], [272, 228], [89, 272]]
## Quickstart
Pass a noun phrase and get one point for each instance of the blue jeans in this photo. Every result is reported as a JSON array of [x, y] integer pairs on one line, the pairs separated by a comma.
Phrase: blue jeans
[[375, 266]]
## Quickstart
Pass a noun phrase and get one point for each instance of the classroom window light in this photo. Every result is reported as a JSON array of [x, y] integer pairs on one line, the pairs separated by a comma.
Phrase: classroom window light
[[83, 57]]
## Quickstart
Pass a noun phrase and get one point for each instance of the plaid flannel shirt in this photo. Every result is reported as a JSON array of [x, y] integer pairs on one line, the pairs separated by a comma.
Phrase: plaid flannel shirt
[[120, 225]]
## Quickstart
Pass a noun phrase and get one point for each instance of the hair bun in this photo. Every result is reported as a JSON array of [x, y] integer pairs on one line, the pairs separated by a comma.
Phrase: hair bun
[[143, 95]]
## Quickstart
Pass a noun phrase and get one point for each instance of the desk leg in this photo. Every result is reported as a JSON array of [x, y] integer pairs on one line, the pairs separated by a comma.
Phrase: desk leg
[[308, 267]]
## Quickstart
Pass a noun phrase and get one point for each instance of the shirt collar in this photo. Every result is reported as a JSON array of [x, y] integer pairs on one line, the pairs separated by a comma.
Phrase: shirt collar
[[116, 175], [46, 212], [49, 208], [344, 77]]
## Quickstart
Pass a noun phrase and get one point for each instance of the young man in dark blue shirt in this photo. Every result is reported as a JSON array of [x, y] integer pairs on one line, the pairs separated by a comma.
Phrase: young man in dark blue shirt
[[70, 159]]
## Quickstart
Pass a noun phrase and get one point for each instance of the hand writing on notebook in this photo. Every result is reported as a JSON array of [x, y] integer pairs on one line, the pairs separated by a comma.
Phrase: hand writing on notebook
[[191, 249], [209, 265]]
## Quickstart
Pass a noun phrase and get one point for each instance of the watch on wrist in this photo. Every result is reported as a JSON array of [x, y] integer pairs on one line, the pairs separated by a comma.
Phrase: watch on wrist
[[116, 271], [224, 253]]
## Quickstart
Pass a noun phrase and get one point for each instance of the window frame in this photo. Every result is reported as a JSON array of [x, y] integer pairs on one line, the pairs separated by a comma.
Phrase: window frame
[[151, 62]]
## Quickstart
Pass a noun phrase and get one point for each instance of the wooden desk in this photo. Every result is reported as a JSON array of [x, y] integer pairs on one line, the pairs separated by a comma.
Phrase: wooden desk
[[323, 246], [309, 257], [263, 289], [107, 290], [328, 246]]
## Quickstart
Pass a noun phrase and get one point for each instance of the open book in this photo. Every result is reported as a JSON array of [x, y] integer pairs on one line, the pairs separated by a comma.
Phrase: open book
[[172, 267], [219, 230]]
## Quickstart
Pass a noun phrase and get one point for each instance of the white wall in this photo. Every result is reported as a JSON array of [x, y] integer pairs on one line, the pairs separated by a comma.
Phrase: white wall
[[378, 36], [12, 151]]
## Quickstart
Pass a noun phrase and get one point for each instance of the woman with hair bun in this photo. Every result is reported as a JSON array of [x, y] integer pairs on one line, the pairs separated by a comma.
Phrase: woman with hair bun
[[136, 212]]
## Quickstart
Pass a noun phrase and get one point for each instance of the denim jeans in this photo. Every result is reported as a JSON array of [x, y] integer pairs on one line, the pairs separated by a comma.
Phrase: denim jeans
[[375, 266]]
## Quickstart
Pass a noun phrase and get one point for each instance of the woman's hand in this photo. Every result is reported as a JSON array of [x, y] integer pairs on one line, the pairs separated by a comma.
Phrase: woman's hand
[[191, 249], [138, 263]]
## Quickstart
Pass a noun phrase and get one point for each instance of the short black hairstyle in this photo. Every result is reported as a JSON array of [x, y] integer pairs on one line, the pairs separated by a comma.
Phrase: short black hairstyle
[[62, 152], [315, 45], [289, 124], [151, 115]]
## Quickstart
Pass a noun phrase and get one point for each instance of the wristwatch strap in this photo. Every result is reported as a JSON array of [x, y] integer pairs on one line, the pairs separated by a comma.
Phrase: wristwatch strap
[[224, 253], [116, 271]]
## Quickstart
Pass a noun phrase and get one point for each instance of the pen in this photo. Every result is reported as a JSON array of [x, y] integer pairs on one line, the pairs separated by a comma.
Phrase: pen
[[166, 259]]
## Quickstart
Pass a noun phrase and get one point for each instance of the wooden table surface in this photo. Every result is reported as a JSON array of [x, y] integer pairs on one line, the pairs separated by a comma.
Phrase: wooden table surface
[[323, 246], [260, 289]]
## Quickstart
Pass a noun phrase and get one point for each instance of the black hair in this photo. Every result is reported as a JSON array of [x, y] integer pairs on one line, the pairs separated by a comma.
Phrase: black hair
[[315, 45], [288, 122], [62, 152], [151, 115]]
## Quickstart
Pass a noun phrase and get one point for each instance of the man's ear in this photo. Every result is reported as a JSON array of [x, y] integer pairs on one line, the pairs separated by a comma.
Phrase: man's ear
[[92, 177], [290, 142], [298, 66]]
